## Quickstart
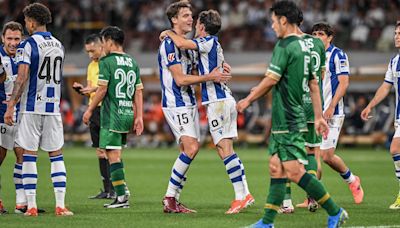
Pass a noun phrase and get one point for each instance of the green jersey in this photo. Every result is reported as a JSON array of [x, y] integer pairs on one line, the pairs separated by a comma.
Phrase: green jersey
[[291, 66], [317, 49], [120, 73]]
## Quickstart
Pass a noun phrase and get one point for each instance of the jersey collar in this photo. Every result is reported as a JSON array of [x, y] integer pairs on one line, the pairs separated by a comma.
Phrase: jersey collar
[[330, 48], [42, 33]]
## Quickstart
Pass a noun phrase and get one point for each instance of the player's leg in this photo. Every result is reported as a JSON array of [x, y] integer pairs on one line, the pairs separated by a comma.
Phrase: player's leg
[[3, 153], [20, 197], [395, 152], [52, 141], [328, 155], [184, 124]]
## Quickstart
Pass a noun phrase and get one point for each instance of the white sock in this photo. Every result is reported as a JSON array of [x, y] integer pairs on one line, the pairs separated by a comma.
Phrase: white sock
[[29, 179], [178, 173], [287, 203], [396, 161], [234, 171], [178, 193], [20, 198], [348, 176], [59, 179], [244, 179]]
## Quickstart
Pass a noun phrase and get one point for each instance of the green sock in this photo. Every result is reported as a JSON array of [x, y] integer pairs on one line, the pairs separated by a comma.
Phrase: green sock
[[274, 200], [288, 192], [316, 190], [312, 165], [118, 178]]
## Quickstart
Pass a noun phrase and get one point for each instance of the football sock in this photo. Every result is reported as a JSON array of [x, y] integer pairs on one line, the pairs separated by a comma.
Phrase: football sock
[[396, 160], [244, 179], [316, 190], [348, 176], [287, 200], [59, 179], [312, 165], [234, 171], [118, 178], [29, 178], [274, 200], [105, 174], [178, 173], [20, 198], [178, 193]]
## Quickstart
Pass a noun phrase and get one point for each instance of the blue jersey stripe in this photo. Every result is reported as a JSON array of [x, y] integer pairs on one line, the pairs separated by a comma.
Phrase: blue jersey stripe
[[178, 95], [334, 77], [212, 64], [30, 104], [398, 89], [164, 98]]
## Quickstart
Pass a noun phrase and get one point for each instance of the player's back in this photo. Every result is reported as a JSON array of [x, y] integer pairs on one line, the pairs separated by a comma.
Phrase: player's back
[[211, 56], [291, 62], [45, 55], [121, 74], [174, 96]]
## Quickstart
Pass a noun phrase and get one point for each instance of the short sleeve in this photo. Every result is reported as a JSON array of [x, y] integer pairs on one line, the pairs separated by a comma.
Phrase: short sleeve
[[341, 64], [138, 82], [278, 62], [104, 72], [23, 54], [169, 53], [389, 78], [204, 44]]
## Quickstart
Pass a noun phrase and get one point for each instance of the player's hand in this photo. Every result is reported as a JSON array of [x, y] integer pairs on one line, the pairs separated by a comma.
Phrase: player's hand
[[242, 105], [138, 126], [86, 116], [321, 127], [8, 115], [329, 113], [365, 113], [219, 76], [88, 90], [163, 34], [227, 68]]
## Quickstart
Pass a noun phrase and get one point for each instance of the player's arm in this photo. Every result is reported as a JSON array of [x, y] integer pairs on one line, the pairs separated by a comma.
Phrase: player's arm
[[258, 91], [340, 92], [181, 42], [3, 75], [185, 80], [320, 124], [380, 94], [98, 97], [138, 110], [19, 84]]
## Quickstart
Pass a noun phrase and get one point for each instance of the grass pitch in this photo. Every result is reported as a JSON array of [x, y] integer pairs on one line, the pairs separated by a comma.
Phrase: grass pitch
[[208, 190]]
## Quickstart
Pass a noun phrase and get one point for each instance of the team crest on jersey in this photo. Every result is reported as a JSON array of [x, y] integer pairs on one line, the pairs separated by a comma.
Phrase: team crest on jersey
[[171, 57]]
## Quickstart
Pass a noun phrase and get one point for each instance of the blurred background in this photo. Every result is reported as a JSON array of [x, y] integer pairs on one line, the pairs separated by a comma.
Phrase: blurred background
[[364, 30]]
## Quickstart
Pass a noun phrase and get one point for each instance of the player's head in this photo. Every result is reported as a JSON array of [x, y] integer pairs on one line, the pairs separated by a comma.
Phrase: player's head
[[93, 47], [209, 22], [284, 14], [397, 35], [11, 36], [112, 37], [36, 15], [180, 16], [323, 31]]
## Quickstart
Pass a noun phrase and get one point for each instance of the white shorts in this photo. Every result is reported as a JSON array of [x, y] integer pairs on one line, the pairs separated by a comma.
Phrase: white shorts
[[7, 136], [183, 121], [397, 128], [335, 125], [222, 120], [37, 130]]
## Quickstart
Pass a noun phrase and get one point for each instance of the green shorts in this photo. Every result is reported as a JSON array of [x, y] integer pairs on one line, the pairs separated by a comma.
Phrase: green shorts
[[112, 140], [311, 137], [288, 146]]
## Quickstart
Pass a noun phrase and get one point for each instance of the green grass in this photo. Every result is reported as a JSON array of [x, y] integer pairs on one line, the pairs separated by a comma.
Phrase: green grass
[[208, 190]]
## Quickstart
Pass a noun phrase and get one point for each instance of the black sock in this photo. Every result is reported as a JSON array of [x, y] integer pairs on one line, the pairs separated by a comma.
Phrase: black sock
[[105, 174]]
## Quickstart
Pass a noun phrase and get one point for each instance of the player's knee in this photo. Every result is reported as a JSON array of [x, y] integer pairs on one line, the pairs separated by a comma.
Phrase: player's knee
[[192, 149], [275, 169]]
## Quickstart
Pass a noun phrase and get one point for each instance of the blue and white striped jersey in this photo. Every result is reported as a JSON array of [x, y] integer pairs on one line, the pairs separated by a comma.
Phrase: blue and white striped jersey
[[211, 56], [45, 56], [392, 76], [337, 64], [173, 95], [6, 88]]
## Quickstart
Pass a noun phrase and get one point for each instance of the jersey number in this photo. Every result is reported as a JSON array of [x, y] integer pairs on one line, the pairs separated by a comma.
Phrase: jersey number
[[123, 78], [50, 70], [182, 118]]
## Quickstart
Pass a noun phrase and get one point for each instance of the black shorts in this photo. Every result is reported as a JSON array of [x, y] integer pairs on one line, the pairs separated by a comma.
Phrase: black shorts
[[94, 127]]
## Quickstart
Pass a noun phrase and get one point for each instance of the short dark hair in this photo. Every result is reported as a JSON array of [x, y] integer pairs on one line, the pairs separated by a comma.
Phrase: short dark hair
[[397, 24], [300, 18], [211, 21], [13, 26], [114, 33], [287, 9], [38, 12], [93, 38], [325, 27], [173, 10]]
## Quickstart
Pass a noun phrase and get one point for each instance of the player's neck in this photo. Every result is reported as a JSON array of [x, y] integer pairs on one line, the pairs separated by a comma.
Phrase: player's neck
[[40, 29], [290, 30], [117, 50], [179, 32]]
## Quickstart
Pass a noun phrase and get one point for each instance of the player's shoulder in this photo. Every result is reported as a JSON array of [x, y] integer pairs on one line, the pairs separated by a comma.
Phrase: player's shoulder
[[287, 41]]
